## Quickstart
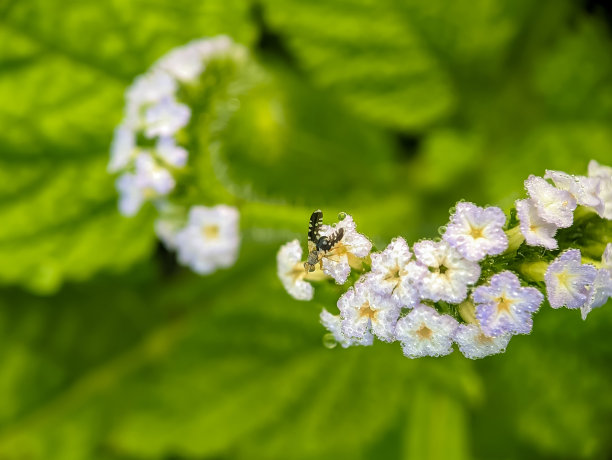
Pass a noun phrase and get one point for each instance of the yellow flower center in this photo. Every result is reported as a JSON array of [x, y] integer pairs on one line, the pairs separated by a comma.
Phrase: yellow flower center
[[503, 305], [210, 232], [424, 333], [484, 339], [366, 311], [476, 232]]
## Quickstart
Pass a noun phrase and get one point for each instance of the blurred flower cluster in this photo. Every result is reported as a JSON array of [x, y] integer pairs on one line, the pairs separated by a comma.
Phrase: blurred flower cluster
[[149, 153], [481, 282]]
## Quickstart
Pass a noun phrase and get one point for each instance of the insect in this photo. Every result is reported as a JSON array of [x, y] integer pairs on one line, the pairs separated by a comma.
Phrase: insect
[[318, 245]]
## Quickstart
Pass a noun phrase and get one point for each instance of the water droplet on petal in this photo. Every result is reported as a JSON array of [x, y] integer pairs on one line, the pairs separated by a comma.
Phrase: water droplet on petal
[[329, 341], [442, 230], [341, 216]]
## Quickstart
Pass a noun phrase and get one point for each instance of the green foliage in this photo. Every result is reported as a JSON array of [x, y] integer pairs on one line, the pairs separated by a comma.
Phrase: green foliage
[[63, 71], [390, 111]]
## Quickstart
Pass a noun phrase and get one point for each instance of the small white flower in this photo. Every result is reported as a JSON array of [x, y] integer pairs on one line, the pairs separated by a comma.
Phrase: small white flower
[[425, 332], [604, 175], [166, 230], [364, 311], [598, 170], [184, 63], [122, 148], [166, 117], [584, 189], [475, 344], [476, 232], [333, 324], [601, 289], [537, 231], [130, 194], [599, 292], [210, 239], [172, 154], [391, 273], [504, 306], [336, 262], [568, 281], [148, 182], [445, 275], [151, 178], [146, 90], [291, 271], [554, 206], [214, 46]]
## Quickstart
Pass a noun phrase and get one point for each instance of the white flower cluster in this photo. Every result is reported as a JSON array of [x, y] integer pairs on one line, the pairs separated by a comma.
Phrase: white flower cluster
[[147, 155], [433, 296], [551, 207]]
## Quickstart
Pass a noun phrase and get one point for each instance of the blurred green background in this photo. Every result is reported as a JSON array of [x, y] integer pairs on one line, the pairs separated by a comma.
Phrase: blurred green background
[[389, 110]]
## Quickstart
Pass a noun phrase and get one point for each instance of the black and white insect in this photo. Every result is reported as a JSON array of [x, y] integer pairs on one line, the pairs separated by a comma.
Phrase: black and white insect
[[319, 245]]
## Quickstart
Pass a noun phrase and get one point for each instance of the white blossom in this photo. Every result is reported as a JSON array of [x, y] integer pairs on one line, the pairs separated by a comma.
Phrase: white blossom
[[130, 194], [475, 344], [148, 182], [363, 311], [147, 89], [166, 230], [568, 281], [336, 262], [210, 239], [604, 175], [584, 189], [291, 271], [504, 306], [425, 332], [333, 323], [166, 117], [445, 275], [391, 273], [170, 152], [476, 232], [601, 289], [537, 231], [184, 63], [554, 206], [122, 148]]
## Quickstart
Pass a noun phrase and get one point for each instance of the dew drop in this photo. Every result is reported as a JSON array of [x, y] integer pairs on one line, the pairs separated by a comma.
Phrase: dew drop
[[329, 341], [442, 230], [452, 210], [341, 215]]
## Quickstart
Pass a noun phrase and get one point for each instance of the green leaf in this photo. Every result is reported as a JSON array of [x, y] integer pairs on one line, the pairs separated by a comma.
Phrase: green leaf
[[62, 75], [221, 376], [391, 77], [436, 427]]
